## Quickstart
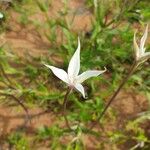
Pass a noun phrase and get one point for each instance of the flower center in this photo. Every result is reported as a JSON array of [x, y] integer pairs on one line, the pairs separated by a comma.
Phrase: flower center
[[72, 81]]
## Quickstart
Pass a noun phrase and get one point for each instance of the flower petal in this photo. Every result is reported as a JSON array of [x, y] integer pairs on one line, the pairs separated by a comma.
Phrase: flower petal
[[60, 73], [88, 74], [1, 15], [80, 88], [136, 48], [143, 39], [145, 56], [74, 65]]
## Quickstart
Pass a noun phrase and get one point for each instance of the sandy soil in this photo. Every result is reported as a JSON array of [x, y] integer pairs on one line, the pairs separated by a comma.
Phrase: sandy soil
[[25, 40], [127, 108]]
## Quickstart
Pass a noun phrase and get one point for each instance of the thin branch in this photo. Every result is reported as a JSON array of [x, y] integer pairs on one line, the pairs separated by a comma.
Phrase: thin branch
[[132, 69], [121, 13], [19, 102], [64, 107], [6, 77]]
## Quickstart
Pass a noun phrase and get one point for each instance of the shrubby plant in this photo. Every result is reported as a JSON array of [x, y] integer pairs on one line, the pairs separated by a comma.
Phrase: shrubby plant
[[140, 57], [74, 80]]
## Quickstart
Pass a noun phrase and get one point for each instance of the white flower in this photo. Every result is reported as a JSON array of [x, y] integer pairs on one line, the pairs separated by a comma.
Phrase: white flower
[[95, 3], [1, 15], [71, 77], [140, 54]]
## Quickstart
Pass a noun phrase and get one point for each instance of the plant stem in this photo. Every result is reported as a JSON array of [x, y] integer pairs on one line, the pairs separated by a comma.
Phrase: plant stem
[[132, 69], [9, 84], [20, 103], [64, 107]]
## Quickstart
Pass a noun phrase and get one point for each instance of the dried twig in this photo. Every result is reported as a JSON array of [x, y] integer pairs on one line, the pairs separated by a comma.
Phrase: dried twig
[[19, 102]]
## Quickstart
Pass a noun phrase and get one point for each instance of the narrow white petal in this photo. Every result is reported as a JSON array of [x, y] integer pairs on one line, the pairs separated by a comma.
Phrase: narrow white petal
[[143, 39], [60, 73], [1, 15], [95, 3], [80, 88], [88, 74], [145, 56], [74, 64], [136, 48]]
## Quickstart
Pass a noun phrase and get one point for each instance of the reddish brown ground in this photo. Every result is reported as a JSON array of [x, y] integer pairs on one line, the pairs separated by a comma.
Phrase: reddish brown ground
[[127, 105], [26, 40]]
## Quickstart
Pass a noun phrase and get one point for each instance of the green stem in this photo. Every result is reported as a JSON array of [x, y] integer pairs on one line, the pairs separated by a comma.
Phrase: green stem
[[131, 71], [64, 107]]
